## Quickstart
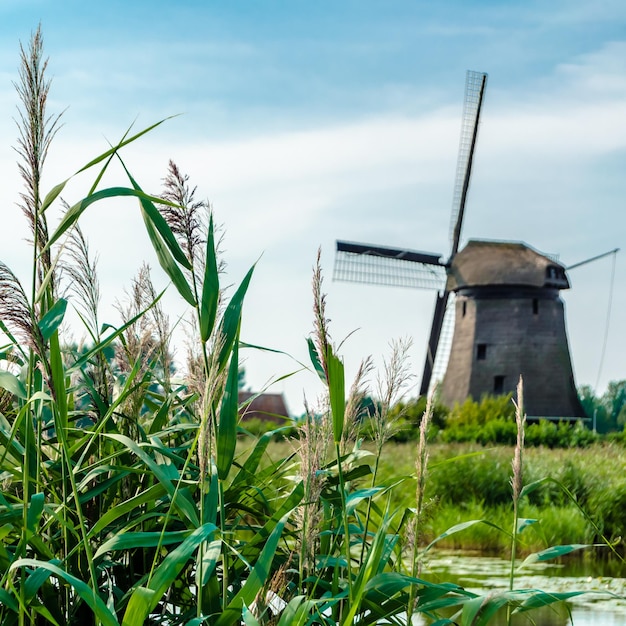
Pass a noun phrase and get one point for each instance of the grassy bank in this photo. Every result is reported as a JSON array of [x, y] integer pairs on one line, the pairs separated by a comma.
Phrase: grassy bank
[[471, 482], [583, 496]]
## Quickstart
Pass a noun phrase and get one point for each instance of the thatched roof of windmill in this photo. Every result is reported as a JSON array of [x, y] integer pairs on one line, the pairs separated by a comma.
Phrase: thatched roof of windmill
[[504, 263]]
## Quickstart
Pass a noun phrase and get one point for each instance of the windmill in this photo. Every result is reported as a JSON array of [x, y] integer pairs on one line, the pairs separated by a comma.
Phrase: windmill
[[509, 318]]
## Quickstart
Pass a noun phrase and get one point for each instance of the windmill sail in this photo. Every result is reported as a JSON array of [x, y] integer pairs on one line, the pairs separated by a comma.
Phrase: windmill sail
[[392, 267], [475, 85]]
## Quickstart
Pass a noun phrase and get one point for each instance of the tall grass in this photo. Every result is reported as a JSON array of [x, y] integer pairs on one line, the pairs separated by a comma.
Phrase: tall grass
[[124, 498]]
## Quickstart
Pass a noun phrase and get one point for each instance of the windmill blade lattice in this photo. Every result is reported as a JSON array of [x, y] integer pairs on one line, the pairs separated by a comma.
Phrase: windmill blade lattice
[[475, 85], [391, 267]]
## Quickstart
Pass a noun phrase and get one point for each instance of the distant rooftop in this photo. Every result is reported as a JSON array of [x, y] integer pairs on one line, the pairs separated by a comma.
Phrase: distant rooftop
[[265, 406]]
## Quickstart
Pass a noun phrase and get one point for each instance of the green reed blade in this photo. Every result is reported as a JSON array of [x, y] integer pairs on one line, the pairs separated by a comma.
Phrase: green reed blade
[[138, 539], [229, 327], [555, 552], [210, 557], [52, 319], [159, 223], [247, 473], [534, 599], [35, 509], [315, 359], [12, 384], [57, 369], [164, 575], [462, 526], [256, 579], [184, 505], [296, 613], [227, 427], [248, 617], [54, 193], [86, 593], [337, 392], [480, 610], [146, 499], [138, 607], [167, 261], [74, 212], [210, 288]]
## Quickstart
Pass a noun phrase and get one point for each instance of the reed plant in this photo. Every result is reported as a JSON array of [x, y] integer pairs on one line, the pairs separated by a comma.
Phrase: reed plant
[[124, 498]]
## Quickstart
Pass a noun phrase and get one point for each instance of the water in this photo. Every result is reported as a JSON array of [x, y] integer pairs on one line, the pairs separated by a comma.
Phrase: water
[[604, 584]]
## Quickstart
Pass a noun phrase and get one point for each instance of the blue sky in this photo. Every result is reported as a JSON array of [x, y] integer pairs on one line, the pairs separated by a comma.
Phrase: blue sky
[[304, 122]]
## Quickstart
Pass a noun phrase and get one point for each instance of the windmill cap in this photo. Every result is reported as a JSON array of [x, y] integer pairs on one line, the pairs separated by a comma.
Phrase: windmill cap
[[493, 263]]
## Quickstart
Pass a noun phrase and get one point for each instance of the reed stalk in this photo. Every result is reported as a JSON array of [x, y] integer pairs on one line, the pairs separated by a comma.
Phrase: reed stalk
[[421, 469], [517, 480]]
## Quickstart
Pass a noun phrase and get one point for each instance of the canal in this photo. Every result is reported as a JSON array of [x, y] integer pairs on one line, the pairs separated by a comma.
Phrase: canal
[[603, 582]]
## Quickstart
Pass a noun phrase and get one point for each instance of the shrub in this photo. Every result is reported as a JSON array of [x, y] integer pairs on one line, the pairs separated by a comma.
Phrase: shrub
[[472, 413]]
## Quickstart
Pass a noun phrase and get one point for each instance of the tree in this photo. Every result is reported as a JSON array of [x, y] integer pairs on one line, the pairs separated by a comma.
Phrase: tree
[[614, 399]]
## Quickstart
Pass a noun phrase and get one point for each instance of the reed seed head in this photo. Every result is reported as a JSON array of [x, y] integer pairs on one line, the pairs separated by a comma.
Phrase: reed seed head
[[517, 480]]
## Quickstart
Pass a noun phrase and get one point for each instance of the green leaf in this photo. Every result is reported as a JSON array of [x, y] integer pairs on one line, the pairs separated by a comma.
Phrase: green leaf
[[248, 617], [353, 500], [523, 523], [480, 610], [53, 194], [257, 578], [174, 562], [297, 611], [74, 212], [53, 318], [12, 384], [57, 369], [210, 288], [227, 428], [139, 607], [532, 486], [388, 584], [136, 539], [462, 526], [159, 223], [35, 509], [538, 599], [165, 574], [337, 392], [315, 359], [554, 552], [8, 600], [210, 556], [185, 506], [247, 472], [164, 243], [167, 262], [230, 322], [86, 593]]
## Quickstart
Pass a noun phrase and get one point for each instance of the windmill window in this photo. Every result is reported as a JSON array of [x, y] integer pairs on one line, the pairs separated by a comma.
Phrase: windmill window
[[481, 351], [464, 307], [535, 306], [498, 384]]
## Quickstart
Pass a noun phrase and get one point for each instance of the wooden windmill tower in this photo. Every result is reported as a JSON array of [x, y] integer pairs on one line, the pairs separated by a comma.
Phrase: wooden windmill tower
[[509, 318]]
